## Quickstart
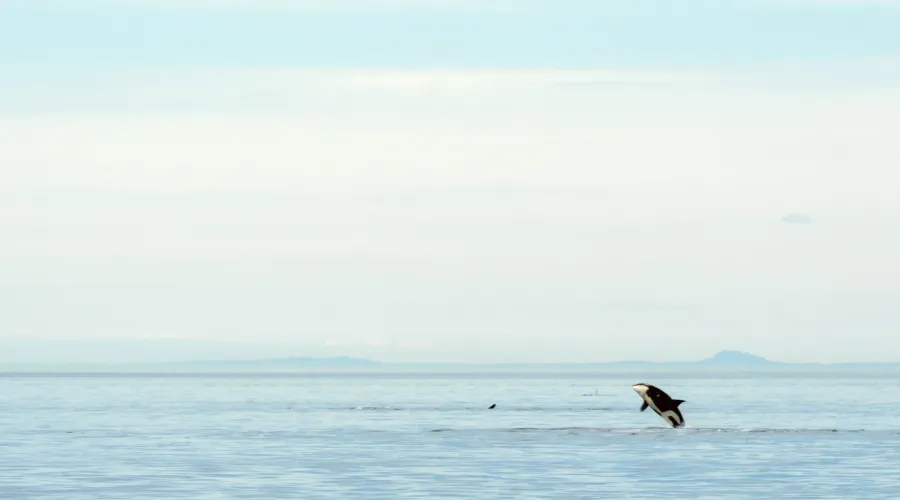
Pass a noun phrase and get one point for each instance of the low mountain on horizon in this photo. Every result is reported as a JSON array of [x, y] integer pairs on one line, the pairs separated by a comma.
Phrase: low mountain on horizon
[[289, 362], [266, 364], [721, 358], [729, 357]]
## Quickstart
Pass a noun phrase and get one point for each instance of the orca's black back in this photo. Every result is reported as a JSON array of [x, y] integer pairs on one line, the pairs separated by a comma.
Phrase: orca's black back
[[662, 400]]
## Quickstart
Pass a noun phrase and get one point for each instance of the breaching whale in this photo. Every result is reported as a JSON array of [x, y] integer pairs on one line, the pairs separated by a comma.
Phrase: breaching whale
[[662, 403]]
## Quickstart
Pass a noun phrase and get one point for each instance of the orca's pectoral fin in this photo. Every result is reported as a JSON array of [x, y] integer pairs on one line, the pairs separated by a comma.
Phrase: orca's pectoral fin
[[644, 406]]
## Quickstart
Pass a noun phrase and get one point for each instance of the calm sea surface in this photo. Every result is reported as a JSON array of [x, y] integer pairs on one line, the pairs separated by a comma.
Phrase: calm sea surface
[[760, 434]]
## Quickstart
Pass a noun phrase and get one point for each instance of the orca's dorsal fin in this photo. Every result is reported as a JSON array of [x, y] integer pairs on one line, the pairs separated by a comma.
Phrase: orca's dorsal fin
[[677, 402]]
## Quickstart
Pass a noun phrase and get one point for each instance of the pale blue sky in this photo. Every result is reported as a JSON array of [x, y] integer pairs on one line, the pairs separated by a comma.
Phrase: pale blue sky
[[427, 180], [467, 33]]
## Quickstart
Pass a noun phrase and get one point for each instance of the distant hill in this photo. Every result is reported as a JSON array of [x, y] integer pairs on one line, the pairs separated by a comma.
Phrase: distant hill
[[289, 362], [721, 358], [736, 358], [267, 364], [727, 358], [742, 359]]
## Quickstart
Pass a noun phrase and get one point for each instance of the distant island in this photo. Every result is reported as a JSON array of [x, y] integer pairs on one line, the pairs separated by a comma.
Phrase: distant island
[[289, 362], [727, 358], [242, 365], [736, 358], [721, 358]]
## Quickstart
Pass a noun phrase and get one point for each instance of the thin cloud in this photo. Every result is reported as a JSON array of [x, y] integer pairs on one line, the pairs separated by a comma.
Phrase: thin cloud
[[378, 343], [797, 219], [283, 89], [307, 89]]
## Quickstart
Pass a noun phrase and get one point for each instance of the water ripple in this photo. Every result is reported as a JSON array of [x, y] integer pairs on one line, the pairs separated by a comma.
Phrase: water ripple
[[246, 437]]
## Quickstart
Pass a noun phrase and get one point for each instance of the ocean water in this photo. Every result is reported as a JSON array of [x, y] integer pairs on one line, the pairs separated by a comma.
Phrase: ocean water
[[749, 434]]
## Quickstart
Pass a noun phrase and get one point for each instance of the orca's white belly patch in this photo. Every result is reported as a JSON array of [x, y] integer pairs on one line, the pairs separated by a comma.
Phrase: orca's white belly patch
[[671, 418]]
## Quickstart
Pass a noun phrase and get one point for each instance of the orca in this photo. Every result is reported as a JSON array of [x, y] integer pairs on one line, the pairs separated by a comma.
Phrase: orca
[[662, 403], [492, 406]]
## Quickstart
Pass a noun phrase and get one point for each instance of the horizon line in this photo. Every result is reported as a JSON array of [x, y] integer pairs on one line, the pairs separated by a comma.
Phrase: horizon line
[[724, 358]]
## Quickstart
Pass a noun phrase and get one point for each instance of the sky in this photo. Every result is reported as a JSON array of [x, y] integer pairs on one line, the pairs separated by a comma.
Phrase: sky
[[436, 180]]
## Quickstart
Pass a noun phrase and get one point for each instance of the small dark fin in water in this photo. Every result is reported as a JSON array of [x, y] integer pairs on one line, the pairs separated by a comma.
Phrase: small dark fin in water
[[644, 406], [492, 406]]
